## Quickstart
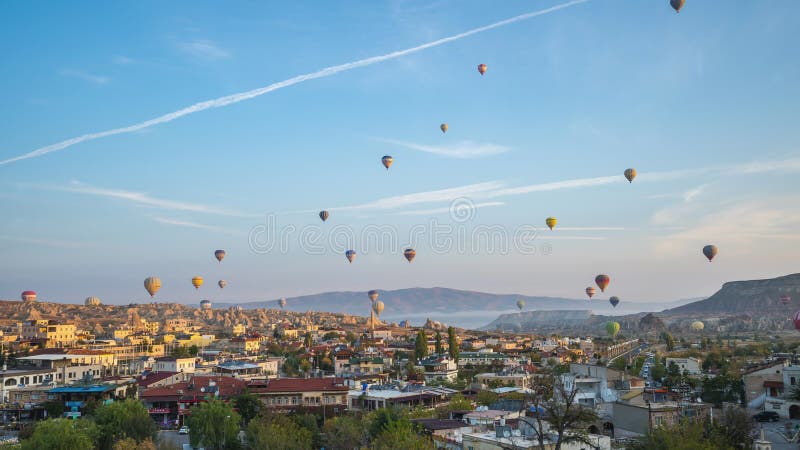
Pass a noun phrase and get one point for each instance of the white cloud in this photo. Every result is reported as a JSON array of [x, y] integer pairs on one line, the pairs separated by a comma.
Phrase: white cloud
[[45, 242], [121, 60], [463, 149], [203, 49], [441, 195], [195, 225], [691, 194], [423, 212], [85, 76], [557, 185]]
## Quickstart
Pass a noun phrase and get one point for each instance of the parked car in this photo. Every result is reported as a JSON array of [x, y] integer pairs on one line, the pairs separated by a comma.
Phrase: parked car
[[767, 416], [184, 430]]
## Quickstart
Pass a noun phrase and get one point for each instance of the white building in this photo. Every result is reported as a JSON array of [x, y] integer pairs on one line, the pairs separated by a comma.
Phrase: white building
[[172, 364]]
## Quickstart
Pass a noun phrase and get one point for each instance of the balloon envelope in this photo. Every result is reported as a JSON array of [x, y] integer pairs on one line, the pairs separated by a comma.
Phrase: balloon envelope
[[197, 282], [630, 174], [590, 291], [710, 251], [92, 301], [373, 295], [219, 254], [443, 127], [222, 284], [612, 328], [698, 326], [410, 254], [350, 255], [324, 215], [550, 222], [602, 281], [520, 304], [785, 300], [482, 68], [152, 285], [377, 306], [614, 301], [387, 161], [28, 296], [677, 4], [282, 302]]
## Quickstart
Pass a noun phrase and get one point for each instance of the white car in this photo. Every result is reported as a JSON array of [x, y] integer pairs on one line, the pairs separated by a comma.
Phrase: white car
[[184, 430]]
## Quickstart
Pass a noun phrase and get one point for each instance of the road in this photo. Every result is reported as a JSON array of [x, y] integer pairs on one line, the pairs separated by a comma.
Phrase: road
[[173, 439]]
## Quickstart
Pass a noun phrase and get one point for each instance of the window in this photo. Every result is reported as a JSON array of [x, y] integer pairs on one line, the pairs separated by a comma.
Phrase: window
[[792, 381]]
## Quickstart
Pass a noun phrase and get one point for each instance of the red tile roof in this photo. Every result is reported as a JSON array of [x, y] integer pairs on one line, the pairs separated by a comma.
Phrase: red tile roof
[[228, 387], [150, 378], [300, 385]]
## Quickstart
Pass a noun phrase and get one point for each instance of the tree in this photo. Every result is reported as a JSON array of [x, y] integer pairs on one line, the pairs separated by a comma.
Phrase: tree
[[130, 444], [401, 434], [382, 418], [439, 347], [421, 345], [459, 403], [452, 343], [121, 420], [308, 341], [486, 398], [278, 432], [62, 434], [54, 409], [669, 340], [344, 433], [214, 425], [248, 406], [566, 420]]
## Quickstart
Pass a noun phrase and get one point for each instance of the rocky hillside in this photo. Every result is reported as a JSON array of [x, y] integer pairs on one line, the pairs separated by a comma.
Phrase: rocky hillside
[[754, 297]]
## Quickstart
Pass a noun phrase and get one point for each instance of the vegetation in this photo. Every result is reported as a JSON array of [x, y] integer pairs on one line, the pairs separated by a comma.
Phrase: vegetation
[[732, 431], [128, 419], [452, 344], [62, 434], [278, 432], [214, 425]]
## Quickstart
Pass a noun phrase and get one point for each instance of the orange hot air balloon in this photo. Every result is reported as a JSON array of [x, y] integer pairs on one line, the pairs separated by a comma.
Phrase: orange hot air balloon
[[152, 285], [602, 281], [710, 251], [219, 254], [350, 255], [410, 254], [590, 291], [197, 282], [677, 4], [482, 68], [443, 127], [387, 161], [630, 174]]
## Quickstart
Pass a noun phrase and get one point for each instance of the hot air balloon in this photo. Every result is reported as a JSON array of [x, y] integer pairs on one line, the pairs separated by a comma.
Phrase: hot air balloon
[[550, 222], [205, 304], [350, 254], [785, 300], [443, 127], [29, 296], [614, 301], [373, 295], [387, 161], [152, 285], [520, 304], [410, 254], [219, 254], [602, 282], [710, 251], [677, 4], [324, 215], [630, 174], [92, 301], [282, 302], [377, 307], [482, 68], [612, 328], [698, 326], [590, 291], [796, 320], [197, 282], [222, 284]]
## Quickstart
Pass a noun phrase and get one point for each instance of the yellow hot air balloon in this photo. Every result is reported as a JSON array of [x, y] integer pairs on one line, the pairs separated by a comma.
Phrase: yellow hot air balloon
[[630, 174], [377, 307], [551, 222], [443, 127], [612, 328], [698, 326], [152, 285], [197, 282]]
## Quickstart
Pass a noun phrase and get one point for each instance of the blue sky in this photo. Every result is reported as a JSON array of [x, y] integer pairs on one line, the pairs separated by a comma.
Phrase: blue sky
[[702, 103]]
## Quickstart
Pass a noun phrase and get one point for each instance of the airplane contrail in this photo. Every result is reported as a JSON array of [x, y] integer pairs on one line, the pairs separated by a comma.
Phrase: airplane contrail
[[236, 98]]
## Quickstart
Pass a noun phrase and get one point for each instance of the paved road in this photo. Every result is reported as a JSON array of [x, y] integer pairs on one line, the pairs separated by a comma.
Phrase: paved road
[[174, 439], [775, 433]]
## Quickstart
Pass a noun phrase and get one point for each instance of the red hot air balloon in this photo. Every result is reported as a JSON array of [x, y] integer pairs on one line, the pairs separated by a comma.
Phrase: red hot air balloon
[[602, 282], [785, 300], [219, 254], [29, 296], [590, 291], [410, 254]]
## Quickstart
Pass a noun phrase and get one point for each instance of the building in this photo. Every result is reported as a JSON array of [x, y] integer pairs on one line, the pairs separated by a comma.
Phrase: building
[[173, 364], [778, 393], [486, 357], [520, 380], [755, 382], [690, 365], [439, 368], [504, 437], [642, 412], [328, 395], [169, 405], [245, 345], [50, 332], [357, 366]]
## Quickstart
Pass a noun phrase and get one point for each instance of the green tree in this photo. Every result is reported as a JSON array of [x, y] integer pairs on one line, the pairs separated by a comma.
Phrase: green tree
[[193, 350], [344, 433], [452, 343], [248, 405], [278, 432], [485, 398], [669, 340], [330, 335], [130, 444], [62, 434], [54, 409], [120, 420], [308, 341], [421, 345], [214, 425], [459, 403], [619, 364], [381, 418], [401, 434], [439, 346], [564, 421]]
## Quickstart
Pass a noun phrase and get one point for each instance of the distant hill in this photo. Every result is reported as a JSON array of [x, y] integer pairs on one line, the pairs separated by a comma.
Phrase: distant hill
[[754, 297]]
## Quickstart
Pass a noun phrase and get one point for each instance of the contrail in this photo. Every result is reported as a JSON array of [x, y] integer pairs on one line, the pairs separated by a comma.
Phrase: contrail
[[236, 98]]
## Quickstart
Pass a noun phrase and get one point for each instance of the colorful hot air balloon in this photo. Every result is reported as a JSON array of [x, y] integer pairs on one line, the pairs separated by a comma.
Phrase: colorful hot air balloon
[[282, 302], [590, 291], [92, 301], [443, 127], [677, 4], [602, 282], [373, 295], [152, 285], [222, 284], [410, 254], [612, 328], [796, 320], [630, 174], [520, 304], [197, 282], [785, 300], [614, 301], [550, 222], [698, 326], [29, 296], [387, 161], [377, 307], [219, 254], [205, 304], [482, 68], [350, 255], [324, 215], [710, 251]]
